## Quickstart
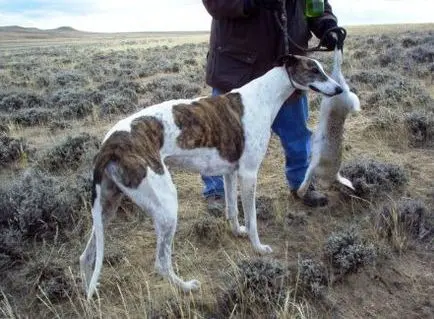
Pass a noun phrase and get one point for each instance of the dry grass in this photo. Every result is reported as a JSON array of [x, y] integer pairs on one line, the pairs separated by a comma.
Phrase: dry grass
[[87, 83]]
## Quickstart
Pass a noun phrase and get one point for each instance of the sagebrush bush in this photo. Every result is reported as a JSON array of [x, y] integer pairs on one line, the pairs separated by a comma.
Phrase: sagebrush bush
[[11, 149], [168, 87], [372, 179], [40, 205], [119, 84], [256, 287], [399, 94], [69, 153], [32, 117], [12, 252], [70, 103], [312, 277], [405, 217], [346, 252], [120, 102], [420, 126], [70, 78], [373, 78], [14, 101]]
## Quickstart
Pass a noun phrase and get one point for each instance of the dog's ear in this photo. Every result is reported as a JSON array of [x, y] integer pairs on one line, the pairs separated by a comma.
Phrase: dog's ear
[[287, 60]]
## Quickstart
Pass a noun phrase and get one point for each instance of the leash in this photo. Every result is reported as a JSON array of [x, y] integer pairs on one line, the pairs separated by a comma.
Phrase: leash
[[282, 21]]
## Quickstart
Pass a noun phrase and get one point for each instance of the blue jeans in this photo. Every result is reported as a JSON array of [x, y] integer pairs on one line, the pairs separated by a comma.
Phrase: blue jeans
[[290, 125]]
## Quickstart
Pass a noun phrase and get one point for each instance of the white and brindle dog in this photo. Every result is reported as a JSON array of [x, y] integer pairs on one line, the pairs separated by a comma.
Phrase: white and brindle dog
[[326, 155], [221, 135]]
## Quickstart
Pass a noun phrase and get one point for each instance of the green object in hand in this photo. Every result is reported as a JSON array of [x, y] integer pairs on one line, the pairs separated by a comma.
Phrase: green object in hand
[[314, 8]]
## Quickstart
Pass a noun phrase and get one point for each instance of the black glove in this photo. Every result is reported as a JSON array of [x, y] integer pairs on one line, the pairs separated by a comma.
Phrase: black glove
[[333, 38], [272, 5], [330, 40]]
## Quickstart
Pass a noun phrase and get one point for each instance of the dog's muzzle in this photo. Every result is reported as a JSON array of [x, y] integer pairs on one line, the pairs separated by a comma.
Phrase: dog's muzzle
[[338, 90]]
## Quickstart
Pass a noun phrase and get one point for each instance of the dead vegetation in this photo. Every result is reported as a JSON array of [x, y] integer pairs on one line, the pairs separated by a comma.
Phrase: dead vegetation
[[56, 103], [372, 179]]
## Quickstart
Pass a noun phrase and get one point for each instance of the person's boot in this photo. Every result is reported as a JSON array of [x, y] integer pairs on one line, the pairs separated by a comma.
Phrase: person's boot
[[312, 198], [216, 205]]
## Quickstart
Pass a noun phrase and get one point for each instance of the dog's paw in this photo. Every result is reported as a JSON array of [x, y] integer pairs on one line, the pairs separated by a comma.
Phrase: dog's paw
[[263, 249], [191, 285]]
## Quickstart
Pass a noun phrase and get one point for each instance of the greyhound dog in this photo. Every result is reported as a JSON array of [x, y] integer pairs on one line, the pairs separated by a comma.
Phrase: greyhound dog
[[326, 155], [220, 135]]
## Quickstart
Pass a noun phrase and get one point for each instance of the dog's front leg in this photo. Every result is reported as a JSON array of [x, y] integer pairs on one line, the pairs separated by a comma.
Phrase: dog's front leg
[[248, 192], [230, 184]]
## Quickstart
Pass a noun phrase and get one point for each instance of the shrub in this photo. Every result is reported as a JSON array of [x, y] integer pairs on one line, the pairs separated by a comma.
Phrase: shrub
[[11, 150], [121, 84], [69, 78], [120, 102], [72, 104], [40, 205], [32, 117], [372, 179], [347, 253], [170, 87], [20, 100], [372, 78], [422, 54], [420, 126], [402, 219], [11, 248], [256, 287], [399, 94], [69, 154], [312, 276]]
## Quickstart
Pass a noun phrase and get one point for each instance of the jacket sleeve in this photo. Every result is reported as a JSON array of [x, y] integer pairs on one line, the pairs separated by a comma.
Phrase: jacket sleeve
[[320, 24], [223, 9]]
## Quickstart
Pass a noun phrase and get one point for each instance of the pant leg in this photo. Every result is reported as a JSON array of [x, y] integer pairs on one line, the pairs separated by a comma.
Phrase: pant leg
[[213, 185], [291, 127]]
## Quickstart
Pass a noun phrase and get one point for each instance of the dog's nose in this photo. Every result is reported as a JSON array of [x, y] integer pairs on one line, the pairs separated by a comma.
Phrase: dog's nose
[[338, 90]]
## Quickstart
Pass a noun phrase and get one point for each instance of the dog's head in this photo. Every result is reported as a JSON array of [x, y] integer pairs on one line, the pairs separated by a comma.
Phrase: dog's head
[[306, 73]]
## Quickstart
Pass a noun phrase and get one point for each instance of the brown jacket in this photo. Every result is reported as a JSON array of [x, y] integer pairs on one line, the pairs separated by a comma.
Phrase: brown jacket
[[244, 45]]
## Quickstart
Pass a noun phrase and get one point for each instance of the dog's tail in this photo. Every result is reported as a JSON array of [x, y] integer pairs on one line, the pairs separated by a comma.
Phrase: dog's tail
[[99, 239]]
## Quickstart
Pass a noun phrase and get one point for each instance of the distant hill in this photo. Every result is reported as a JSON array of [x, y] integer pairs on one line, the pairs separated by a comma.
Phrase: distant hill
[[64, 29], [15, 32], [16, 28]]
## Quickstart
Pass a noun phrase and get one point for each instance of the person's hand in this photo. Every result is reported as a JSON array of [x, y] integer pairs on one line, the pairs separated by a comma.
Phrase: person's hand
[[333, 38], [330, 40], [272, 5]]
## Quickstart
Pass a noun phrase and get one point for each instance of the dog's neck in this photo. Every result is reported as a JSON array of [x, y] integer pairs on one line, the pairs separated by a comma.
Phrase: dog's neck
[[269, 91]]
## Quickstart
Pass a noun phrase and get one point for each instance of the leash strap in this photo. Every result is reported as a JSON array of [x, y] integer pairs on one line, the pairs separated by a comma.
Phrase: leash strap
[[282, 21]]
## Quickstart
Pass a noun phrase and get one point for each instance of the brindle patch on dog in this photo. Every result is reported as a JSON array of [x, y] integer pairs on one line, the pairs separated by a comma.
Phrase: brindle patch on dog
[[306, 71], [133, 152], [213, 122]]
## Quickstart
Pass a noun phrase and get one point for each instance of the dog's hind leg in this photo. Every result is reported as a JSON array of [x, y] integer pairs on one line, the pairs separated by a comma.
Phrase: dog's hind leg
[[157, 195], [344, 181], [248, 193], [230, 184], [105, 205]]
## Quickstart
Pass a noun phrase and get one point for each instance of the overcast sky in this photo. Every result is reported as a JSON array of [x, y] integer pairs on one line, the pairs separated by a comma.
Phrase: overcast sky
[[183, 15]]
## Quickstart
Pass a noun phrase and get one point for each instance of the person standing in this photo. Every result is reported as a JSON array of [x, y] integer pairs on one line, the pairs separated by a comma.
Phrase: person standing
[[245, 42]]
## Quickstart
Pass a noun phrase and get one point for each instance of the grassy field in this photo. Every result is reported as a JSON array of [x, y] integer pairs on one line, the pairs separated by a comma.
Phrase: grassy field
[[366, 255]]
